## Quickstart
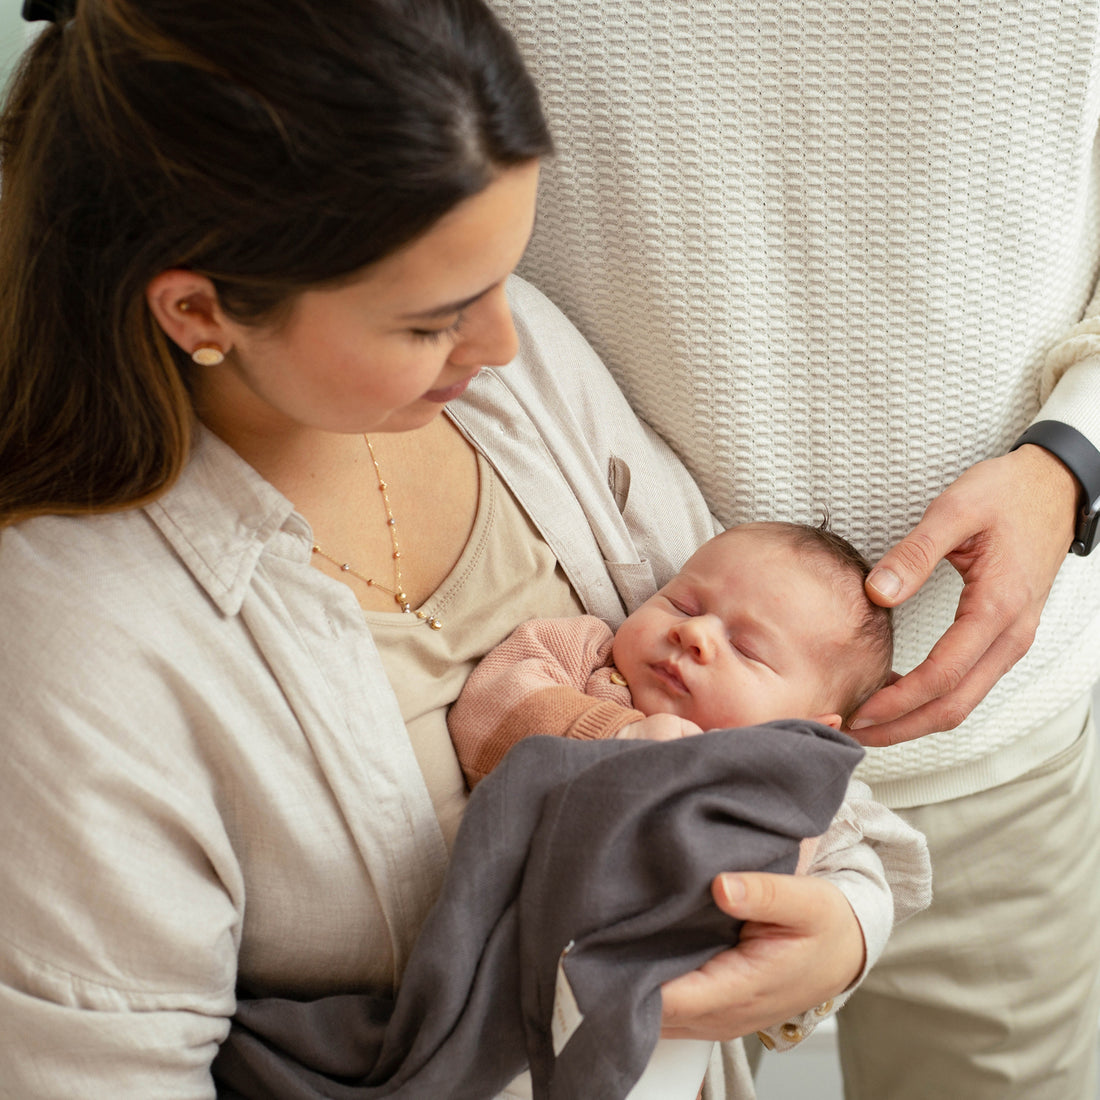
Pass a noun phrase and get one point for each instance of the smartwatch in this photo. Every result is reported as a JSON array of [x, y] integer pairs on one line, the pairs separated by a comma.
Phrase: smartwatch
[[1083, 461]]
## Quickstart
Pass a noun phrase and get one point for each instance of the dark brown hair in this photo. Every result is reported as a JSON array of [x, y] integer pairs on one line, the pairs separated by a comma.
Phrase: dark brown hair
[[875, 625], [271, 145]]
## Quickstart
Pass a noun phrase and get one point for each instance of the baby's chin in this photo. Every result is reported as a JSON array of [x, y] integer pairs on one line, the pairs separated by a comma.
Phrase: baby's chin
[[733, 721]]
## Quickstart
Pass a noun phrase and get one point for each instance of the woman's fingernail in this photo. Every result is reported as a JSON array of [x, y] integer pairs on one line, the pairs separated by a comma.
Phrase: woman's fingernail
[[861, 724], [733, 889], [886, 582]]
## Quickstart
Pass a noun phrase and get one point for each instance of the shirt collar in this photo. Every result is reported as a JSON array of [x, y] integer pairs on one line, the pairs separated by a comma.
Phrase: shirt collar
[[219, 517]]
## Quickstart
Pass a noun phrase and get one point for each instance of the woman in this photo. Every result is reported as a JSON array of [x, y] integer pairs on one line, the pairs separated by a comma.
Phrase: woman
[[249, 254]]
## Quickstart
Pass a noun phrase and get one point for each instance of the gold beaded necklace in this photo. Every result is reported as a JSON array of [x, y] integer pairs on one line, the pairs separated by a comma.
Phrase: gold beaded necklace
[[398, 590]]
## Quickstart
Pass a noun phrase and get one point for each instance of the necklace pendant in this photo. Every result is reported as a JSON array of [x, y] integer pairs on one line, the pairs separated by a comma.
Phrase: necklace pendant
[[399, 595]]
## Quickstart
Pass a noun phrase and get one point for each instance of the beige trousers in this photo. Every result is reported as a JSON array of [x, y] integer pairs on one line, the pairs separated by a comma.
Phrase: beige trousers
[[993, 992]]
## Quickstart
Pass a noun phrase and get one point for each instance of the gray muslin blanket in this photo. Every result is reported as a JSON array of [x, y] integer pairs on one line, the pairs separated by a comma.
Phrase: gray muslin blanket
[[608, 846]]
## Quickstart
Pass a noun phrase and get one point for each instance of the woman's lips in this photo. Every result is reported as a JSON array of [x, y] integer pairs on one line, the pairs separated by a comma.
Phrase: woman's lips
[[449, 393]]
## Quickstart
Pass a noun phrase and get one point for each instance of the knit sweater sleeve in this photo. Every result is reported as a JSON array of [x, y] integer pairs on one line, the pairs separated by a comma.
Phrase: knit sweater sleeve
[[550, 676], [1070, 383]]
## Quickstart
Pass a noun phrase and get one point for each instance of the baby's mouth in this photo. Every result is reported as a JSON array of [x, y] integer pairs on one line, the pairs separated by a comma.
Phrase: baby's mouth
[[666, 673]]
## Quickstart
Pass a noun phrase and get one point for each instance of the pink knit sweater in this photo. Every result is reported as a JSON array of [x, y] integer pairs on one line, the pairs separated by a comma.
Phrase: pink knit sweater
[[550, 676]]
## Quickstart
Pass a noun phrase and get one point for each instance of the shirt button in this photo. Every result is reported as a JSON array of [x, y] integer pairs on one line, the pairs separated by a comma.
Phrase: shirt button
[[824, 1009], [767, 1041], [792, 1033]]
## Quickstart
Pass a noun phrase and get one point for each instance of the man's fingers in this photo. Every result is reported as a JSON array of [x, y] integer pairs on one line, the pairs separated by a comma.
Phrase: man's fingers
[[945, 712], [943, 529]]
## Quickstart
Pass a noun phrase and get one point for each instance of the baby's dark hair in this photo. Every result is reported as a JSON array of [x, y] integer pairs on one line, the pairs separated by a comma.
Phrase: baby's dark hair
[[875, 629]]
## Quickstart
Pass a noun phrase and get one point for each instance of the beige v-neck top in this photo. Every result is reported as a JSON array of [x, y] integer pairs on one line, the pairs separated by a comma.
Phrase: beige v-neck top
[[505, 575]]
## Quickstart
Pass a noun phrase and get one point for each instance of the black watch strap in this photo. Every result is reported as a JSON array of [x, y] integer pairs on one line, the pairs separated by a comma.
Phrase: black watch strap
[[1083, 460]]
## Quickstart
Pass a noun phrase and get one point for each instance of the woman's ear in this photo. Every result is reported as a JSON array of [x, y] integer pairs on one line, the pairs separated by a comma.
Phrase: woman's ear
[[185, 306]]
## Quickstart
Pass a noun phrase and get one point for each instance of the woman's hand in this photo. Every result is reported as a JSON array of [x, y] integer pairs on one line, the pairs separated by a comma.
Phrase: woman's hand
[[1006, 526], [800, 945]]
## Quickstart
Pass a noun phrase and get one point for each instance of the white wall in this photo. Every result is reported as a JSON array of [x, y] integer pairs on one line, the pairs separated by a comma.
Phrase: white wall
[[14, 35]]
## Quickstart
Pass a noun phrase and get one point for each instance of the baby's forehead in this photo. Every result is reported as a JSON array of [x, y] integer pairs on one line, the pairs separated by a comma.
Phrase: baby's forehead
[[774, 550], [757, 558]]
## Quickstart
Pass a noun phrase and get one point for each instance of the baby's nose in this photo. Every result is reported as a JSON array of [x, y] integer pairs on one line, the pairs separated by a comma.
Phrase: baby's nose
[[697, 636]]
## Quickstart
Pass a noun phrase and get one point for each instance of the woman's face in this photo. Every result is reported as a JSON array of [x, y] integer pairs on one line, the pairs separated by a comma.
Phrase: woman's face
[[386, 351]]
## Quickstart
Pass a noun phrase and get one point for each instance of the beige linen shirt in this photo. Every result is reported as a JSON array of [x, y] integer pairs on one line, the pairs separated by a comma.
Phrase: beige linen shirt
[[205, 773]]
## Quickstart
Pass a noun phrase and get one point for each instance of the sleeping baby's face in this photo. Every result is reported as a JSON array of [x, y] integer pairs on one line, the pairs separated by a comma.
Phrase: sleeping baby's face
[[747, 632]]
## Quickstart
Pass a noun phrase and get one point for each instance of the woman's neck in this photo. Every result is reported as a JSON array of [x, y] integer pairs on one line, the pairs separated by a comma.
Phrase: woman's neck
[[431, 482]]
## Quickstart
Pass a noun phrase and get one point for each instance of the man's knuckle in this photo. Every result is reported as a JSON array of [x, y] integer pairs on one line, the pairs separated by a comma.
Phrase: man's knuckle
[[954, 712], [946, 676], [918, 552]]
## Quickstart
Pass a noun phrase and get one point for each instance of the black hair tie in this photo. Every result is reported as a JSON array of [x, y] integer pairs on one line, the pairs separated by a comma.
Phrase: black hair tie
[[55, 11]]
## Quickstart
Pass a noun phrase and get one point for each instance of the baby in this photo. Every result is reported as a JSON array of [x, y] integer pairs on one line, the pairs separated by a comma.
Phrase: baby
[[765, 621]]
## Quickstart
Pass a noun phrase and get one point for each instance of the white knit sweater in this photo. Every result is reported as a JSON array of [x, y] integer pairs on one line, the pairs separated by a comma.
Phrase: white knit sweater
[[827, 249]]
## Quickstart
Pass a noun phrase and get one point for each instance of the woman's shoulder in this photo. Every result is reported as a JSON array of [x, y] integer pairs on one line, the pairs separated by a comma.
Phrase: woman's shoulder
[[77, 602], [553, 354], [67, 561], [73, 564], [98, 606], [192, 545]]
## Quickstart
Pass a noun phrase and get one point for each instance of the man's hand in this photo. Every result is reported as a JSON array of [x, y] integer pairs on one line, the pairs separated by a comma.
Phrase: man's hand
[[1006, 526], [800, 945]]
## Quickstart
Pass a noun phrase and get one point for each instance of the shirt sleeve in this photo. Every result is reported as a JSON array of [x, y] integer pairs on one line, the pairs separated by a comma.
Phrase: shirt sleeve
[[882, 866], [119, 913], [534, 683]]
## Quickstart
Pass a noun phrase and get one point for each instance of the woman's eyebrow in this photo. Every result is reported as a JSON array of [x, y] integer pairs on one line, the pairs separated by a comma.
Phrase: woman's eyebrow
[[436, 312], [445, 310]]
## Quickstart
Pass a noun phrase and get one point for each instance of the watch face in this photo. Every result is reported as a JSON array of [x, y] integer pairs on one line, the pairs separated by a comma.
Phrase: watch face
[[1088, 531]]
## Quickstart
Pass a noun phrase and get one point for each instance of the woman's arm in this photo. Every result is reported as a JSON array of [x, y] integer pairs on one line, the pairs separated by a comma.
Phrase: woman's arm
[[120, 905], [881, 869], [119, 947]]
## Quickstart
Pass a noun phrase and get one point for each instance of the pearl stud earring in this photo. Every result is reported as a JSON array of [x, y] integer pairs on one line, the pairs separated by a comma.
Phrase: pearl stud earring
[[208, 354]]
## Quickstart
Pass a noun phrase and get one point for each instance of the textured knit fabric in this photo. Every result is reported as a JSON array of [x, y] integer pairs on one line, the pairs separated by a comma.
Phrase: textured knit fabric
[[836, 253], [603, 864], [550, 676]]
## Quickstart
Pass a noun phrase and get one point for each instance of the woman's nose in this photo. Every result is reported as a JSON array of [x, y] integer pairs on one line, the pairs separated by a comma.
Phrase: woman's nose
[[487, 337], [696, 636]]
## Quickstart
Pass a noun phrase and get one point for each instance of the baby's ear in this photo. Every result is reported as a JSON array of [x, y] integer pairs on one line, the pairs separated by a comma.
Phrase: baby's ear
[[833, 720]]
